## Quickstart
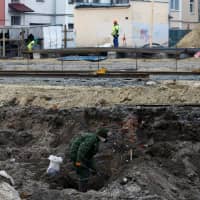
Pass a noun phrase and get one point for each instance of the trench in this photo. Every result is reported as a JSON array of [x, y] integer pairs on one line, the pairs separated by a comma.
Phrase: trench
[[28, 135]]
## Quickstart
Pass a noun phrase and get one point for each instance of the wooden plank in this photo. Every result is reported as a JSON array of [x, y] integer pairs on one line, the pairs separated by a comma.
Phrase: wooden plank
[[172, 51], [90, 73]]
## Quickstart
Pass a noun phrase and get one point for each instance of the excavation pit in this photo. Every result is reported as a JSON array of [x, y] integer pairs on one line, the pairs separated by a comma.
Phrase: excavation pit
[[167, 145]]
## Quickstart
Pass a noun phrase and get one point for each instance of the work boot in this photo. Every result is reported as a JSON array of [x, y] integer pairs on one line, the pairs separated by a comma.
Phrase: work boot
[[83, 186]]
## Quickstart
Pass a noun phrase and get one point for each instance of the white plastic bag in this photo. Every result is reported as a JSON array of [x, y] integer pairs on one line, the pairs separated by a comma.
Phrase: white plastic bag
[[6, 175], [54, 165]]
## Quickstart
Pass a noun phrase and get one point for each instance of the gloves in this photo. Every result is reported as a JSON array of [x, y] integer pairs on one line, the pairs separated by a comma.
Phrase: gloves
[[77, 164]]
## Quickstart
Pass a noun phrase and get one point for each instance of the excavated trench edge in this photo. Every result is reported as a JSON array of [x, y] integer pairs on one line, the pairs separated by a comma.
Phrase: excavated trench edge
[[29, 127]]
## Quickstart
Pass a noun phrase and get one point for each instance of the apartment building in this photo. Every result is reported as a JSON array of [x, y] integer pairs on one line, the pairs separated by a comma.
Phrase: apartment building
[[36, 12], [184, 14]]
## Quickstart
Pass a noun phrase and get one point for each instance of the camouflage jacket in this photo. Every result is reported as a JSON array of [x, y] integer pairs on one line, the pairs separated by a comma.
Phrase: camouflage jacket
[[84, 147]]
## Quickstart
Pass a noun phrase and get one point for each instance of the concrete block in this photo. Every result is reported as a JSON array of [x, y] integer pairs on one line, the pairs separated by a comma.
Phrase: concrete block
[[112, 54], [36, 55]]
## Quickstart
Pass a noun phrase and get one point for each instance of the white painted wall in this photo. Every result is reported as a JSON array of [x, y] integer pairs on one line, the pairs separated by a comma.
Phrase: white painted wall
[[42, 12], [183, 19], [94, 25], [69, 11], [144, 24], [48, 12], [7, 16]]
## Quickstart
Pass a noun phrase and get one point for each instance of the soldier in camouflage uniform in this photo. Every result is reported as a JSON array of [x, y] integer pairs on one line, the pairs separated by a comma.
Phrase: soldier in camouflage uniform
[[82, 150]]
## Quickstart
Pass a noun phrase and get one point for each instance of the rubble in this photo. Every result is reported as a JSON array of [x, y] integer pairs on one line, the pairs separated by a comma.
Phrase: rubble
[[7, 192]]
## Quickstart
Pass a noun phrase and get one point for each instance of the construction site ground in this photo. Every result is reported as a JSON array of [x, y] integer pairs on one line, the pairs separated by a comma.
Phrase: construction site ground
[[39, 118], [110, 64]]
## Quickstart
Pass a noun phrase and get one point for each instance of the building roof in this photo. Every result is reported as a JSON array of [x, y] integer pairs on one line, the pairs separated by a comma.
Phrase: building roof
[[19, 7]]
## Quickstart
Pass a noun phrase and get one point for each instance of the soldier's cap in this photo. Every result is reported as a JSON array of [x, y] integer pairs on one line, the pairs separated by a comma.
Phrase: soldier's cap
[[102, 132]]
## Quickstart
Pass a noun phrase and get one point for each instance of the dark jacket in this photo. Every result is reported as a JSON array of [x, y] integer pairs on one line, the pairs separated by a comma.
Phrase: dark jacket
[[84, 147]]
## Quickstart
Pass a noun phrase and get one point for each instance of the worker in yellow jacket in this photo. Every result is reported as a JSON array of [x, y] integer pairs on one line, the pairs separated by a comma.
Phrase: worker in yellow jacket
[[30, 48], [115, 33], [30, 45]]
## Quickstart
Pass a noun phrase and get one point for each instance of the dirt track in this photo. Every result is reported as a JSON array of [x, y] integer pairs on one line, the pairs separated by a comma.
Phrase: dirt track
[[65, 97]]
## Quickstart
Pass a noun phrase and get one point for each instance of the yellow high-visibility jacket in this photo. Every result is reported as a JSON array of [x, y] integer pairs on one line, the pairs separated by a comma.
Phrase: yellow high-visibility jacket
[[115, 30], [30, 45]]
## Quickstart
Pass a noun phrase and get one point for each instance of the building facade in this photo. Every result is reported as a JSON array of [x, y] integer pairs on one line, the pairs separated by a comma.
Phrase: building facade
[[36, 12], [45, 12], [26, 13], [184, 14], [140, 22]]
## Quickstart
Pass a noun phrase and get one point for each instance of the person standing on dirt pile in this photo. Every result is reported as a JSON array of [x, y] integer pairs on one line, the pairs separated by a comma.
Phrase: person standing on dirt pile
[[115, 33], [82, 150]]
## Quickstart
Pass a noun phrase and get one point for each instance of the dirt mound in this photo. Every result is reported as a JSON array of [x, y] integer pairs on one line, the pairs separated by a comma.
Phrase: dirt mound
[[165, 162], [191, 40], [66, 97]]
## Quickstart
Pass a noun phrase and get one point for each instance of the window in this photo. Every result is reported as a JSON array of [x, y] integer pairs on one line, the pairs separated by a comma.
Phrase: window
[[70, 1], [174, 4], [191, 6], [15, 20], [121, 1], [38, 24], [70, 26], [81, 1]]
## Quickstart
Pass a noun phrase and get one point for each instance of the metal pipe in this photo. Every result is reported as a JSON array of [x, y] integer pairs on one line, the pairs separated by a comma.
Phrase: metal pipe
[[4, 43], [55, 12], [152, 23]]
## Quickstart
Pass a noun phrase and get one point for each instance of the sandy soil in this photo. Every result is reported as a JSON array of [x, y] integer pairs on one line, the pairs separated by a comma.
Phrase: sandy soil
[[67, 96], [186, 92], [191, 40]]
